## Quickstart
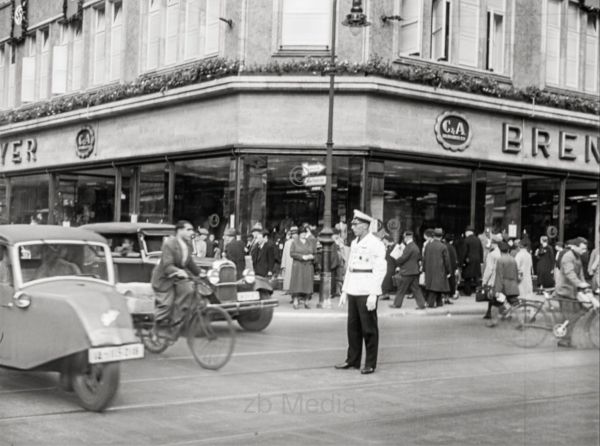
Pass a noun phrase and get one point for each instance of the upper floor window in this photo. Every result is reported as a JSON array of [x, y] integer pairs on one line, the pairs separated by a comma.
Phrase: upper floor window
[[440, 30], [116, 39], [2, 76], [35, 75], [495, 36], [468, 33], [411, 12], [177, 30], [571, 46], [305, 24], [99, 44], [67, 60]]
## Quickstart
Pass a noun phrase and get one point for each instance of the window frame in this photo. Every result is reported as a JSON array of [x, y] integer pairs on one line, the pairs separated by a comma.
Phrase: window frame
[[281, 48]]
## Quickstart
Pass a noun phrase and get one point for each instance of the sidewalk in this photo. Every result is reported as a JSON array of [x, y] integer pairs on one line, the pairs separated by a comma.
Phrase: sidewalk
[[462, 306]]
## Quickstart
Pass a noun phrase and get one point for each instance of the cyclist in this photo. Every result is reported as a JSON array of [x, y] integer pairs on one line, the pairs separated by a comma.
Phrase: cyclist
[[570, 281], [172, 277]]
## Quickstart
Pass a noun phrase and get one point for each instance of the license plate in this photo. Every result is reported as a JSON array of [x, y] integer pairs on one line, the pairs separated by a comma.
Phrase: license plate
[[120, 353], [244, 296]]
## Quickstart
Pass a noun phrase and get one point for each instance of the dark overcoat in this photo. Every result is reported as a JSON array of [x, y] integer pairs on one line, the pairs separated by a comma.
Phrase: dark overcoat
[[436, 264], [409, 261], [545, 266], [387, 286], [302, 270], [234, 251], [472, 257], [263, 258]]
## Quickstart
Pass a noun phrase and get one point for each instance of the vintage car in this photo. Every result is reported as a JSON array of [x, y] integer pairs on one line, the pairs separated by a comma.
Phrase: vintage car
[[136, 251], [60, 310]]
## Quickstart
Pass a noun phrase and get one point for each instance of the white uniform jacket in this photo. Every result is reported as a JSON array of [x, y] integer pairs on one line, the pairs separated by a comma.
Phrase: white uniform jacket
[[366, 267]]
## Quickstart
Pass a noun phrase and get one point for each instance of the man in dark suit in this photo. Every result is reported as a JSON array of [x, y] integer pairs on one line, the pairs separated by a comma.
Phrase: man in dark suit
[[408, 263], [471, 260], [436, 264], [171, 277], [262, 252], [234, 250]]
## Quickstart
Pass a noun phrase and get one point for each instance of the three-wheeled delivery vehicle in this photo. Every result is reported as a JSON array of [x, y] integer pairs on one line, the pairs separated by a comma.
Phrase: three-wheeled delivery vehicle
[[60, 310]]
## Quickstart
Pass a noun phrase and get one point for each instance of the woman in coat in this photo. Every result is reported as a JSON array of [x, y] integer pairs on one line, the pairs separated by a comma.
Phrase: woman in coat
[[524, 267], [302, 252], [545, 263], [506, 282], [286, 258]]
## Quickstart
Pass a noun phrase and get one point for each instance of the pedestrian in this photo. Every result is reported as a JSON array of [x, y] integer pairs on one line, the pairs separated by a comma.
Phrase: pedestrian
[[428, 237], [558, 248], [436, 264], [362, 285], [471, 261], [303, 252], [200, 245], [286, 258], [234, 250], [387, 287], [570, 281], [342, 252], [449, 242], [525, 268], [262, 252], [489, 272], [594, 268], [210, 245], [408, 264], [506, 282], [545, 263]]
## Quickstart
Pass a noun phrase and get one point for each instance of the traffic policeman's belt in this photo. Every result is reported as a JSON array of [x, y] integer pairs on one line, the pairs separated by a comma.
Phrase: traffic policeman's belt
[[352, 270]]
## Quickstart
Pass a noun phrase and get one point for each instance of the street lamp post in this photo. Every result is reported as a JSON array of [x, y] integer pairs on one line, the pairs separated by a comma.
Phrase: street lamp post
[[356, 19]]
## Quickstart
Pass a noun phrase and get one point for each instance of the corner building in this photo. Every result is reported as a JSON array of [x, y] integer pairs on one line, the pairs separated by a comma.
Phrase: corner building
[[108, 113]]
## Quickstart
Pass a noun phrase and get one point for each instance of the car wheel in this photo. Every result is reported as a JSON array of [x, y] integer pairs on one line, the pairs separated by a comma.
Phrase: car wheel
[[96, 385], [256, 320]]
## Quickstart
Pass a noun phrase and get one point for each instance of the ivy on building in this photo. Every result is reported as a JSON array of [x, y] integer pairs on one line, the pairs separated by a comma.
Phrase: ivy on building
[[211, 69]]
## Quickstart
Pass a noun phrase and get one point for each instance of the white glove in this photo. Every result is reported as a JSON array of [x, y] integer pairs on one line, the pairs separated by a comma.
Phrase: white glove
[[343, 299], [371, 302]]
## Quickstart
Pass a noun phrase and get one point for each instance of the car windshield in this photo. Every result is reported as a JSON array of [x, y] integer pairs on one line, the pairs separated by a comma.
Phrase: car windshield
[[42, 260]]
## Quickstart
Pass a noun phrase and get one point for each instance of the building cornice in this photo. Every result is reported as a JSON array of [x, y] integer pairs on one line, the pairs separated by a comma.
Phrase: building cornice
[[370, 86]]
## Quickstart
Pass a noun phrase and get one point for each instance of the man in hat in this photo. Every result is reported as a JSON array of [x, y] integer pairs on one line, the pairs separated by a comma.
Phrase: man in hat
[[408, 263], [436, 264], [362, 284], [234, 250], [489, 272], [200, 246], [571, 280], [171, 277], [471, 260], [286, 258], [262, 252]]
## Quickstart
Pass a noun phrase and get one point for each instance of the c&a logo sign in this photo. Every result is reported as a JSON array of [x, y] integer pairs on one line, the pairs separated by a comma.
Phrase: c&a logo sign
[[453, 132]]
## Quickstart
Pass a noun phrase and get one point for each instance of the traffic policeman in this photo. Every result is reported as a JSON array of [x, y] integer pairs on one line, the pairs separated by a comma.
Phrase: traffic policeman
[[365, 272]]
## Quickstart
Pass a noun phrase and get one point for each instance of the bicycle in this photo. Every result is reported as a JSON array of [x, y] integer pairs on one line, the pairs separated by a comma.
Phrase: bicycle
[[208, 328], [528, 323]]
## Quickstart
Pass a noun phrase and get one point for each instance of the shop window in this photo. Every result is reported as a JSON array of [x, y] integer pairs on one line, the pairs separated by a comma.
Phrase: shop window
[[540, 208], [128, 192], [410, 27], [154, 193], [498, 202], [84, 197], [29, 199], [580, 210], [416, 197], [276, 193], [305, 24], [205, 193], [495, 36], [3, 203]]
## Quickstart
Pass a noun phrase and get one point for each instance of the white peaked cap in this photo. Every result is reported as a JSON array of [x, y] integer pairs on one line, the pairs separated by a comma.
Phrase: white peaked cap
[[364, 218]]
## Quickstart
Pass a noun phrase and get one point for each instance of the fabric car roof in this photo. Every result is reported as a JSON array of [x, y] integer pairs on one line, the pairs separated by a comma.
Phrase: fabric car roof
[[12, 234], [127, 228]]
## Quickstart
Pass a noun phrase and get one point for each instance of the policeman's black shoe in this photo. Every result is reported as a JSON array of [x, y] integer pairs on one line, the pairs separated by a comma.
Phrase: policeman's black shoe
[[345, 366], [367, 370]]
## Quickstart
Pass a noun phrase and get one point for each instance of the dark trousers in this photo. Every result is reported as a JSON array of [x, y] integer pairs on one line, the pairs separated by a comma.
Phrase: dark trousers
[[405, 284], [434, 298], [173, 304], [362, 325], [470, 284]]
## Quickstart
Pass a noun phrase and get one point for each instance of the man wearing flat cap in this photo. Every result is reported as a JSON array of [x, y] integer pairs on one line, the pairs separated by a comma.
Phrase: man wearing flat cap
[[470, 260], [365, 272], [570, 280], [234, 250], [408, 263]]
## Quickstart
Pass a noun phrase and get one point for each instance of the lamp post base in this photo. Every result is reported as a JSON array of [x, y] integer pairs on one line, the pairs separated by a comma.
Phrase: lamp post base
[[325, 289]]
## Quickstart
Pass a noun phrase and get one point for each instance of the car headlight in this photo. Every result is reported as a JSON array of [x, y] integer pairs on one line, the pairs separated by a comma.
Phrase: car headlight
[[213, 276], [249, 276]]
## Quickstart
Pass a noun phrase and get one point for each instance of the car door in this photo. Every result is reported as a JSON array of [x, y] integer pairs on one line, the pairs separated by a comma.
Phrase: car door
[[7, 292]]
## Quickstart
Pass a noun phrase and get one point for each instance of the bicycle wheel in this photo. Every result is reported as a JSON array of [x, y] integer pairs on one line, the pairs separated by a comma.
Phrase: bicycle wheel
[[525, 325], [593, 327], [211, 337]]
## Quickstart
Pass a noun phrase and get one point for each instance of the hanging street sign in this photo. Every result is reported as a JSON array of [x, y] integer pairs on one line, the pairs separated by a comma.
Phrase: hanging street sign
[[319, 180], [313, 168]]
